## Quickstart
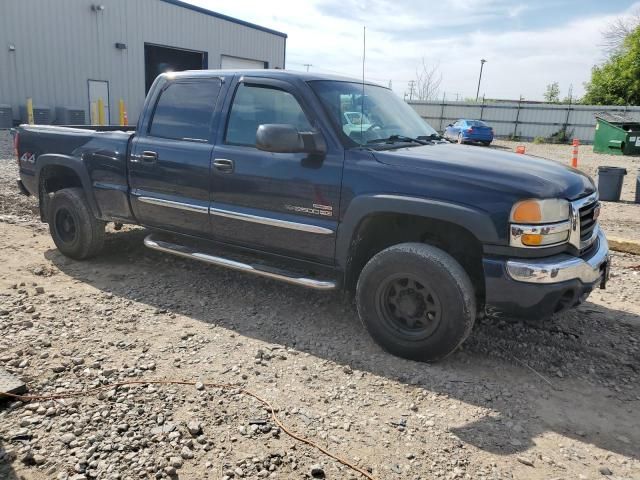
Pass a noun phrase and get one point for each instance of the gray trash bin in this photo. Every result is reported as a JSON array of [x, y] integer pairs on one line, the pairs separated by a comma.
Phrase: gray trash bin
[[610, 183]]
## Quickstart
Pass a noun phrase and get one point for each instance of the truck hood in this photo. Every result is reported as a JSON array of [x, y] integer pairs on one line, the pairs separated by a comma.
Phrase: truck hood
[[523, 176]]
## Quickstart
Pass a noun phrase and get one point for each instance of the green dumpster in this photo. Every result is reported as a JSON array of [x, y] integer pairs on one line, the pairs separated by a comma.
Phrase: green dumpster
[[616, 134]]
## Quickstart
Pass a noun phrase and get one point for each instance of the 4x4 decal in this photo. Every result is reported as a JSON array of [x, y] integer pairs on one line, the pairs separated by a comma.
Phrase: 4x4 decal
[[28, 157]]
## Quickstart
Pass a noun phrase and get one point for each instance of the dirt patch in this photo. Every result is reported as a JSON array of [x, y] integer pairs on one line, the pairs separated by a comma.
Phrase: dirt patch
[[540, 400]]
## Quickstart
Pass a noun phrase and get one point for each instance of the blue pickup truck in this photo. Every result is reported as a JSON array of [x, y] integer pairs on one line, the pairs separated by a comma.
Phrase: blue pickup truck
[[327, 182]]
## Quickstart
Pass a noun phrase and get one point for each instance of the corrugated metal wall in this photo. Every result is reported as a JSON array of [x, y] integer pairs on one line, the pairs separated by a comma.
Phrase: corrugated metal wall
[[61, 44], [525, 120]]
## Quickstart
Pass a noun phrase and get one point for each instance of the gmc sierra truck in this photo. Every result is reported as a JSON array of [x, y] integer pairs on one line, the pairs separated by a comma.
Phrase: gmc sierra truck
[[327, 182]]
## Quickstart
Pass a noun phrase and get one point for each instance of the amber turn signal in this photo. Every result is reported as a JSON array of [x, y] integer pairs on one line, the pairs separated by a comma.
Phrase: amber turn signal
[[532, 239], [527, 211]]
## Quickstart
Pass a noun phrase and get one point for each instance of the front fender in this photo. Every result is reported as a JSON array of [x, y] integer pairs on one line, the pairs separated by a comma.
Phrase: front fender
[[77, 166], [477, 222]]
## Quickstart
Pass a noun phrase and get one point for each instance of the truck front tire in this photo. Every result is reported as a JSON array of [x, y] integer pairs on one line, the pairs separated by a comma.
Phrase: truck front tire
[[73, 227], [416, 301]]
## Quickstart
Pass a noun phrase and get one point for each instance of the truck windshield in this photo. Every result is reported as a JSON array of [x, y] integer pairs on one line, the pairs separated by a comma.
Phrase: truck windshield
[[377, 117]]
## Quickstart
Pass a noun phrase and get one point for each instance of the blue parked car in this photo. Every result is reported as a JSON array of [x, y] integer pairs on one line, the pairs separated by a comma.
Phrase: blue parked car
[[469, 131]]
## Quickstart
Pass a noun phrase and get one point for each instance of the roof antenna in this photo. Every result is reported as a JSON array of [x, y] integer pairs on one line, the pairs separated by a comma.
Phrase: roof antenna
[[364, 50]]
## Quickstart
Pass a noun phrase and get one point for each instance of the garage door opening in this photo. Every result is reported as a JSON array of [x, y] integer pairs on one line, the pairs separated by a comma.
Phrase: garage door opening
[[237, 63], [159, 59]]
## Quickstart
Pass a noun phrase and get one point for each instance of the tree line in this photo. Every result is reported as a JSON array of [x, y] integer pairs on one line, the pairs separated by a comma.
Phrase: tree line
[[615, 81]]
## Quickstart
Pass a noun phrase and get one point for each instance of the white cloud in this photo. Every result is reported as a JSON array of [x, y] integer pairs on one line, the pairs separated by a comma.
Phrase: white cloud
[[328, 34]]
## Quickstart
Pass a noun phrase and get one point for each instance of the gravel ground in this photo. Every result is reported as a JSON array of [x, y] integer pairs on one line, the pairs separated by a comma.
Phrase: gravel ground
[[555, 399], [621, 219]]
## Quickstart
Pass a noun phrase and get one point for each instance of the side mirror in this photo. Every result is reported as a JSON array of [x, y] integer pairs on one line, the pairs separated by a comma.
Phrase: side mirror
[[450, 125], [285, 138]]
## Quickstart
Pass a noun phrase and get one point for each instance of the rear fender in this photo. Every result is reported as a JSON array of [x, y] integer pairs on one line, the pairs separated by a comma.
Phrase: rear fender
[[72, 163]]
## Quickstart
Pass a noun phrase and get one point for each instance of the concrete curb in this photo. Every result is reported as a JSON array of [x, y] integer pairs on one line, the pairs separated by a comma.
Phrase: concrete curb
[[624, 245]]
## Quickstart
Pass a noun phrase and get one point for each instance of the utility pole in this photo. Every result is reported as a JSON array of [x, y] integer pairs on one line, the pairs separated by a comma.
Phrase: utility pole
[[566, 121], [482, 62], [412, 84], [308, 65]]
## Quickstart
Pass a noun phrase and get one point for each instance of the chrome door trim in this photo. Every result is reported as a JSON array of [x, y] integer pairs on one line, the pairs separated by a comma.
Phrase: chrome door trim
[[273, 222], [190, 207]]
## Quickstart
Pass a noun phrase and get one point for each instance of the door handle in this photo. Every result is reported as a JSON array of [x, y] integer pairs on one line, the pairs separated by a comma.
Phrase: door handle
[[223, 165], [148, 156]]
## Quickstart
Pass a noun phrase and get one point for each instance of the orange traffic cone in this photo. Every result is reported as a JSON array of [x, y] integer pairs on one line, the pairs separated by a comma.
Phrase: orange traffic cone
[[574, 158]]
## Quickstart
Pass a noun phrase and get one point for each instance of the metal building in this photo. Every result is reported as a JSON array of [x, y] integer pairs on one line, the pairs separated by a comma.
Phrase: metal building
[[66, 54]]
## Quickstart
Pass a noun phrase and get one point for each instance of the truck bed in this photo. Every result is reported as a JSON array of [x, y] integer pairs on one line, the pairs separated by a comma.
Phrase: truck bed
[[41, 139], [97, 155]]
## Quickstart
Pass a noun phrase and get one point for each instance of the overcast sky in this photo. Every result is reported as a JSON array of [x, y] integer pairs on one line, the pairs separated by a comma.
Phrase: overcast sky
[[527, 45]]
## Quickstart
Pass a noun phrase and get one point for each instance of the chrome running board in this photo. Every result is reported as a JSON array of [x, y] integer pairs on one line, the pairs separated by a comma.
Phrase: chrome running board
[[283, 276]]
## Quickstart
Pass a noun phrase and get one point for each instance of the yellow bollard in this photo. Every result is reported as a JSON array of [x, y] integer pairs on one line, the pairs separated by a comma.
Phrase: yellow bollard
[[123, 113], [30, 111], [100, 111], [94, 114]]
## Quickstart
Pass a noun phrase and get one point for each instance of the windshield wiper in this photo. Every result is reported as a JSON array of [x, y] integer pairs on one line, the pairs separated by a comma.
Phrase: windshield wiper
[[401, 139], [433, 136]]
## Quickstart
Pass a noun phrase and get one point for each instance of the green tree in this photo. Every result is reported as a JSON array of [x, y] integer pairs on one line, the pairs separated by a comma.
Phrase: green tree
[[617, 80], [552, 94]]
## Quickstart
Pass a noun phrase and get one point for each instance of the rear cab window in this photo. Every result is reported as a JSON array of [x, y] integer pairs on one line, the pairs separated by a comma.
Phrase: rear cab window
[[185, 110]]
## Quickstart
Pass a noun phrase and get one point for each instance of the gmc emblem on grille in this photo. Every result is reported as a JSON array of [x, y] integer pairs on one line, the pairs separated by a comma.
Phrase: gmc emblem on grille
[[596, 212]]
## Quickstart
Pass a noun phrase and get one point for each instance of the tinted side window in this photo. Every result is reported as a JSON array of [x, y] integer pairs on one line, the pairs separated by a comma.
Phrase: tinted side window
[[254, 106], [185, 110]]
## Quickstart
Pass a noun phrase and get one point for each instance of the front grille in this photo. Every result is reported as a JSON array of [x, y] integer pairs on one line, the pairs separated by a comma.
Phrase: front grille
[[588, 220]]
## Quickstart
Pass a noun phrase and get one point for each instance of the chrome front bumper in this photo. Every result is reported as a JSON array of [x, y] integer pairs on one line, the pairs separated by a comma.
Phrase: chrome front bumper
[[563, 267]]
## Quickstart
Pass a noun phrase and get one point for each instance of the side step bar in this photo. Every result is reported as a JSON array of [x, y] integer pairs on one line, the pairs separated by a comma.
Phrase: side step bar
[[184, 251]]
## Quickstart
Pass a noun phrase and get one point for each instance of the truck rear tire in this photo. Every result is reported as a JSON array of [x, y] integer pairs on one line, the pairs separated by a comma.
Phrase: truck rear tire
[[75, 230], [416, 301]]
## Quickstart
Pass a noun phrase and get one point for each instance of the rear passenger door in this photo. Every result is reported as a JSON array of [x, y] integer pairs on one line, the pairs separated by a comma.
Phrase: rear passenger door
[[169, 163]]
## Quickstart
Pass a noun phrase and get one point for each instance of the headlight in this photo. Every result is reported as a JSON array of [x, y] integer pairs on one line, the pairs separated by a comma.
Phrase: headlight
[[540, 211], [540, 223]]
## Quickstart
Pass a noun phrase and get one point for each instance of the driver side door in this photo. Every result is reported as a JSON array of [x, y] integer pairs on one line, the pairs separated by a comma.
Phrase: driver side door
[[286, 203]]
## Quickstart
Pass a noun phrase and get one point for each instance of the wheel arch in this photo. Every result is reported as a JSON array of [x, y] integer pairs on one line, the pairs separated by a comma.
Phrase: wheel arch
[[55, 172], [373, 223]]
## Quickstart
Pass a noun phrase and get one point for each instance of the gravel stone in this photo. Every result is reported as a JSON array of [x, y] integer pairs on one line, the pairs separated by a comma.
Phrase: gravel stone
[[136, 314], [186, 453], [67, 438]]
